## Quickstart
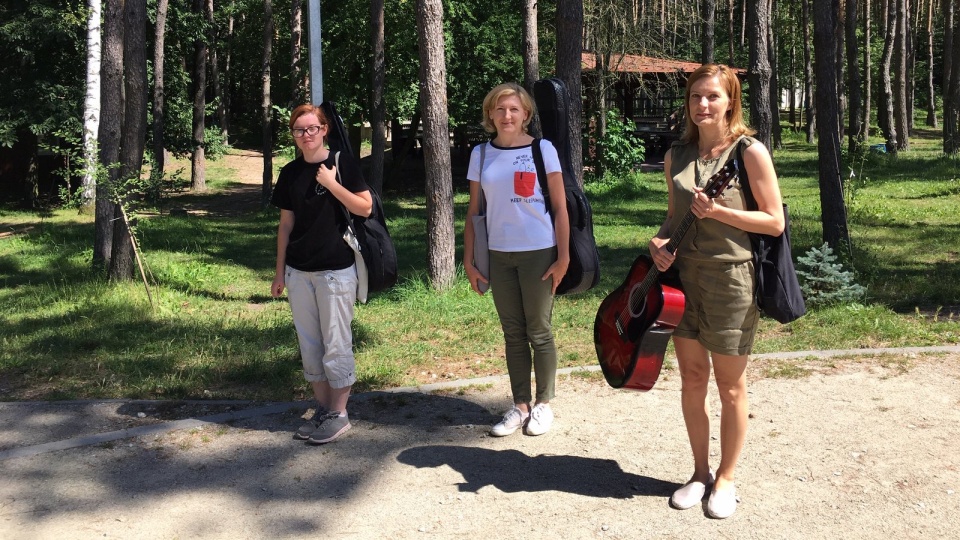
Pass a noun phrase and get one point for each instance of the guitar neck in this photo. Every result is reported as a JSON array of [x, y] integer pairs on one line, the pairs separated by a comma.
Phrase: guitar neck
[[680, 231]]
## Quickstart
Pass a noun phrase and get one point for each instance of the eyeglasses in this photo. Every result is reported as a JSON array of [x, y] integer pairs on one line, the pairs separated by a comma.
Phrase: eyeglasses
[[300, 132]]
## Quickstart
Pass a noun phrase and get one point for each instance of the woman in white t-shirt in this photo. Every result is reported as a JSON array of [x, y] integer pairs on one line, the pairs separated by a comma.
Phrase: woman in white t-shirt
[[529, 251]]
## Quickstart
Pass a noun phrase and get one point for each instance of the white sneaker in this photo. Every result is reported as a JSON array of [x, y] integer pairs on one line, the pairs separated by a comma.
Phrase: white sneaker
[[541, 418], [512, 421]]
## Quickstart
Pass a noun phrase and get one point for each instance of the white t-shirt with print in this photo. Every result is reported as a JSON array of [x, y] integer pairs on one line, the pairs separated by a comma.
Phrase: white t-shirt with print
[[517, 217]]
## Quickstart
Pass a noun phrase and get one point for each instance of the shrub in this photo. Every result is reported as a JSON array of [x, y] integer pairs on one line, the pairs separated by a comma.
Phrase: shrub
[[823, 281]]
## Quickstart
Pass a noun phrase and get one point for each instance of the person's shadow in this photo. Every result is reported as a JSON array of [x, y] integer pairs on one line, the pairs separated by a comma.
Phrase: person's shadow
[[512, 471]]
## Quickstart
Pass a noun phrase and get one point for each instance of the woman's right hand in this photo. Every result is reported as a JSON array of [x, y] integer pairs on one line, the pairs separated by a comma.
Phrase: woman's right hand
[[661, 256], [475, 277], [276, 289]]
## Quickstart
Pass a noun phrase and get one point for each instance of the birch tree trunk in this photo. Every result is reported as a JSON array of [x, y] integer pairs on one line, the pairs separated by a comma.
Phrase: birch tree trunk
[[298, 90], [931, 89], [436, 145], [91, 109]]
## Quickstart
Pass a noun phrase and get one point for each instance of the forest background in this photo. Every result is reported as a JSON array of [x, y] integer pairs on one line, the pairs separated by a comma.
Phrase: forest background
[[222, 77]]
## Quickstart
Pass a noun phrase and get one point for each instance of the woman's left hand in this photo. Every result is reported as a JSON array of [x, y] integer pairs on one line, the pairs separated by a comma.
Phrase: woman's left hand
[[556, 271]]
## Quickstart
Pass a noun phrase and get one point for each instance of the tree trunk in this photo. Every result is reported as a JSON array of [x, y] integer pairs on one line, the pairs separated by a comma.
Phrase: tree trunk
[[531, 55], [731, 32], [109, 137], [378, 107], [441, 245], [809, 104], [91, 109], [198, 178], [298, 91], [951, 114], [931, 89], [867, 74], [134, 131], [266, 113], [949, 10], [832, 210], [707, 43], [217, 82], [885, 101], [569, 60], [225, 97], [159, 37], [776, 135], [758, 73], [855, 132], [900, 60]]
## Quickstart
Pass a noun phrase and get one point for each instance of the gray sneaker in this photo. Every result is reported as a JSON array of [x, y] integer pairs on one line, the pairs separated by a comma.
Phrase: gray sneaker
[[332, 425], [311, 425]]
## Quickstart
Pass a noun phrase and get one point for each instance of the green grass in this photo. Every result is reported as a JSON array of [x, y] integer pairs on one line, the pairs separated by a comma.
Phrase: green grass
[[215, 332]]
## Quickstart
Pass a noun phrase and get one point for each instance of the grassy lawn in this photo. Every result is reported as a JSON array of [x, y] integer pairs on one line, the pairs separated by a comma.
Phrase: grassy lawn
[[215, 332]]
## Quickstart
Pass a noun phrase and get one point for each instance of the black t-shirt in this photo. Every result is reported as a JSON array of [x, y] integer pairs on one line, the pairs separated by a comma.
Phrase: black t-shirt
[[316, 241]]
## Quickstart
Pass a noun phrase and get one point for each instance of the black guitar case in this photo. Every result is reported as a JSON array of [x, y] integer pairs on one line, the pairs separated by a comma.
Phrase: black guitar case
[[553, 110], [379, 253]]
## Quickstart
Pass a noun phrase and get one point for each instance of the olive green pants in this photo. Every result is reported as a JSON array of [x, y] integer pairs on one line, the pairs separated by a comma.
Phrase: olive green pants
[[524, 303]]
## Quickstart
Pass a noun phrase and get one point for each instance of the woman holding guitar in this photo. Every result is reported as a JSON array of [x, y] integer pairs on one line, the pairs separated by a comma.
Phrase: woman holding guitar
[[714, 262]]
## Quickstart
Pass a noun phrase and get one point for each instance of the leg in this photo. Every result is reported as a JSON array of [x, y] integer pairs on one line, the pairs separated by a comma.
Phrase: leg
[[694, 364], [336, 294], [537, 298], [508, 299], [731, 376]]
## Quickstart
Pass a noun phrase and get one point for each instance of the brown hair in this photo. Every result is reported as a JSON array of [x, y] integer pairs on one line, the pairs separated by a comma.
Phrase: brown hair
[[731, 85], [308, 108], [501, 91]]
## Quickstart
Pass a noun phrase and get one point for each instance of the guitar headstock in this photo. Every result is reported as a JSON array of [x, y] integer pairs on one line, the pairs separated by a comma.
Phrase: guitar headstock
[[722, 178]]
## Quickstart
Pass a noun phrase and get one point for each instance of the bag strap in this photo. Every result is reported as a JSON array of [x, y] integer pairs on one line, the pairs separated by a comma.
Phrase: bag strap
[[541, 174], [745, 180], [483, 197], [346, 213]]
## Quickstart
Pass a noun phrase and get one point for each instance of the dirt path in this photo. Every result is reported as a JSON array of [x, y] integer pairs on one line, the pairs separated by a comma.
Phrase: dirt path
[[865, 449]]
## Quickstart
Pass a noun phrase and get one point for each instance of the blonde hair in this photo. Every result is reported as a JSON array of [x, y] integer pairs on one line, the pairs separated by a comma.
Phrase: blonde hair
[[731, 85], [503, 90]]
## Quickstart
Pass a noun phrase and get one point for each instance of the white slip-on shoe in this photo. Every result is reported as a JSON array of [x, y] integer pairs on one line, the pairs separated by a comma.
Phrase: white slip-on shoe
[[512, 421], [722, 504], [541, 418], [690, 494]]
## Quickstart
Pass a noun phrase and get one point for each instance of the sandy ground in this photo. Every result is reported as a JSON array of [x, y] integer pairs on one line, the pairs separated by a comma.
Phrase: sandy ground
[[860, 449]]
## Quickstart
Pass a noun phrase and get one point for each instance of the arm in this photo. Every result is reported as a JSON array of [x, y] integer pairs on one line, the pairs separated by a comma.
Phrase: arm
[[473, 209], [662, 258], [561, 227], [768, 218], [283, 239]]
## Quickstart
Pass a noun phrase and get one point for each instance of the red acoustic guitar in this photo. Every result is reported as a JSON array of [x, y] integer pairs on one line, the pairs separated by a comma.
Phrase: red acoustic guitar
[[635, 321]]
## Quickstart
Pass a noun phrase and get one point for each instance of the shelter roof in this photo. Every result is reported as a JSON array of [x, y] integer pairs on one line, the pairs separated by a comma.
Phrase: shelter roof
[[632, 63]]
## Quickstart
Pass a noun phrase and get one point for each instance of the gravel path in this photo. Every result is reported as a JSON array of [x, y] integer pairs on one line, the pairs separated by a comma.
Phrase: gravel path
[[858, 448]]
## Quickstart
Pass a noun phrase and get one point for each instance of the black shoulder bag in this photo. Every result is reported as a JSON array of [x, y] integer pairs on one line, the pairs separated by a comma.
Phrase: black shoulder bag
[[778, 291]]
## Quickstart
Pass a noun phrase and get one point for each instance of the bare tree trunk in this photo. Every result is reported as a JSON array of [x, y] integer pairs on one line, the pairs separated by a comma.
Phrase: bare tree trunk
[[731, 32], [198, 178], [531, 55], [832, 210], [378, 108], [949, 10], [855, 133], [159, 98], [867, 74], [569, 59], [266, 114], [218, 86], [951, 114], [134, 139], [436, 145], [758, 73], [298, 91], [91, 109], [931, 89], [109, 137], [900, 105], [776, 135], [809, 103], [227, 75], [885, 109], [709, 13]]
